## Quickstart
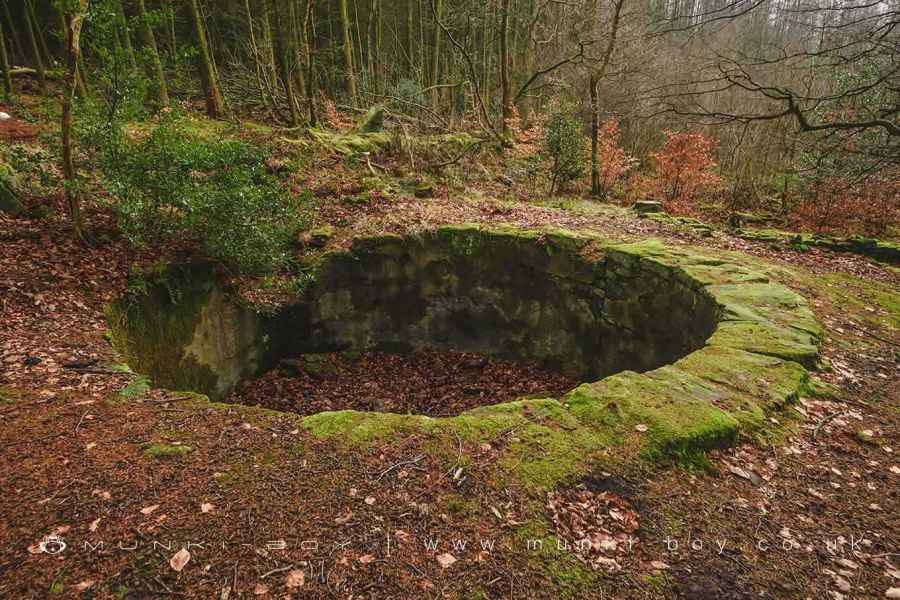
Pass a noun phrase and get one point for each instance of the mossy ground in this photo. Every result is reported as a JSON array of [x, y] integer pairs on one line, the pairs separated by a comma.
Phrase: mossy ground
[[166, 451]]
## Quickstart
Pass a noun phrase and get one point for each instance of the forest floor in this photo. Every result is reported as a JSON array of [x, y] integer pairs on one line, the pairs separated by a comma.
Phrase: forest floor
[[130, 476]]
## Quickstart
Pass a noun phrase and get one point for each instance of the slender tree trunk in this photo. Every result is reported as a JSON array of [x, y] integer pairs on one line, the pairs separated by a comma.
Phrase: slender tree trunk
[[257, 61], [122, 22], [16, 42], [39, 31], [595, 78], [35, 51], [410, 36], [348, 52], [438, 8], [296, 45], [170, 27], [375, 45], [506, 109], [309, 37], [4, 63], [215, 104], [160, 90], [74, 21], [595, 133], [283, 58], [80, 84]]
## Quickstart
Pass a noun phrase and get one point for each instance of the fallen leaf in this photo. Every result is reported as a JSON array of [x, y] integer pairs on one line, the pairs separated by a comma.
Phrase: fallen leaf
[[206, 507], [294, 579], [149, 509], [261, 589], [446, 559], [94, 524], [179, 560], [366, 559]]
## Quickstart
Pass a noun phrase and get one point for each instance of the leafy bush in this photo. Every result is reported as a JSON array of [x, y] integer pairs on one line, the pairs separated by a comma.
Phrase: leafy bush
[[171, 186], [564, 144], [614, 161], [834, 205], [683, 171]]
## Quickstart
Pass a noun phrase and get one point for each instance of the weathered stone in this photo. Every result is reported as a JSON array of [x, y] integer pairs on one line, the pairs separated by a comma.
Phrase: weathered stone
[[372, 121], [424, 190], [10, 193], [318, 237], [644, 207], [314, 365], [740, 219]]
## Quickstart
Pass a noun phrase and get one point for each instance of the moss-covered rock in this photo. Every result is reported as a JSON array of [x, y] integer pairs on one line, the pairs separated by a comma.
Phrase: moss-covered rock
[[884, 251], [372, 121], [10, 192]]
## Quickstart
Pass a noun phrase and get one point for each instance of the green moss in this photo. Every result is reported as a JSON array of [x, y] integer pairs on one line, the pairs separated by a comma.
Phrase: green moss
[[10, 202], [361, 427], [165, 451], [874, 302], [8, 394], [57, 587], [151, 329], [137, 387], [677, 409], [571, 578], [769, 339], [879, 250], [655, 582]]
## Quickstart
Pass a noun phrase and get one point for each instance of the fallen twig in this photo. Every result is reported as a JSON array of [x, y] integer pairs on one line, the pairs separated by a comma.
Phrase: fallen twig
[[399, 464], [825, 421]]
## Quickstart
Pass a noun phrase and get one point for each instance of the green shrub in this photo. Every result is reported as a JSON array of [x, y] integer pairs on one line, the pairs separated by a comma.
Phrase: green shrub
[[172, 186], [564, 144]]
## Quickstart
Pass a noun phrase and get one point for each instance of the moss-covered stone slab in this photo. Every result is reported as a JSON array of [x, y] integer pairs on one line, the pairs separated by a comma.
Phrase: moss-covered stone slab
[[10, 192], [881, 250], [684, 350]]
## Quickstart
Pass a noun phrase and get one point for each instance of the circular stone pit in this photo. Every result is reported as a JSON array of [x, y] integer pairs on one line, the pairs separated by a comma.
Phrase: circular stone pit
[[691, 347]]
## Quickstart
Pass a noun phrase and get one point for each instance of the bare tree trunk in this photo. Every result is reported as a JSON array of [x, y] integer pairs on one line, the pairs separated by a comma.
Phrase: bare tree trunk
[[296, 45], [504, 68], [160, 91], [4, 63], [39, 33], [283, 60], [74, 21], [122, 22], [257, 60], [595, 78], [595, 133], [170, 26], [309, 36], [16, 42], [438, 8], [35, 51], [215, 104], [348, 52]]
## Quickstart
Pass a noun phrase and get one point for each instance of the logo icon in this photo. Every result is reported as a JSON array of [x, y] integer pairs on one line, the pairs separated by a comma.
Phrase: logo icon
[[52, 544]]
